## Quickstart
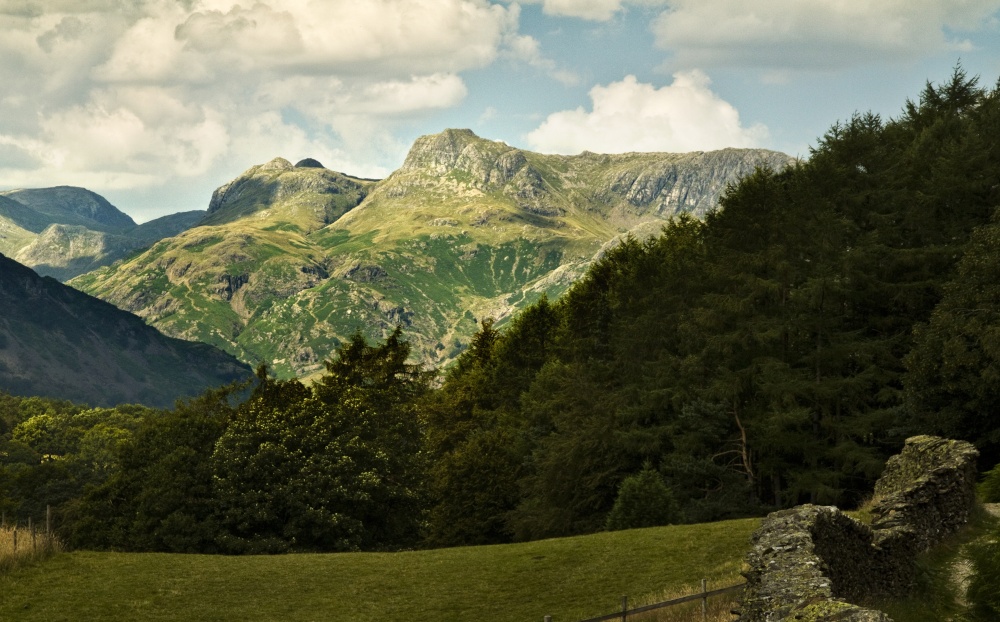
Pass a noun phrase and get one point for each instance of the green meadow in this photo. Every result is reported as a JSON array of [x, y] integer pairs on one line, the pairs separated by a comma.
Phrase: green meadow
[[567, 578]]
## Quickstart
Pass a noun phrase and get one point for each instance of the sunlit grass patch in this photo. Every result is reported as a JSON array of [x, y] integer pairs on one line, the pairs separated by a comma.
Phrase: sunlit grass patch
[[19, 546]]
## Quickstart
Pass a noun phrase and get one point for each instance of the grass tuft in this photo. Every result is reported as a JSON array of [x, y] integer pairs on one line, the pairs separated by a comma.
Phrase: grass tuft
[[718, 608]]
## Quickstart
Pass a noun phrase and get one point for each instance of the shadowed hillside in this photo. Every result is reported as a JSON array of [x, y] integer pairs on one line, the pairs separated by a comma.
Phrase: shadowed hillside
[[58, 342]]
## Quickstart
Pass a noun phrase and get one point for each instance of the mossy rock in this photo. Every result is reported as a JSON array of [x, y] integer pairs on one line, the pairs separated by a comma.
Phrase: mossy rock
[[830, 610]]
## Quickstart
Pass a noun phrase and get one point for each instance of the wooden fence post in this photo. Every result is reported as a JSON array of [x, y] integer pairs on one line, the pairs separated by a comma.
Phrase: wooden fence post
[[15, 538], [48, 520], [624, 608], [704, 599], [547, 619]]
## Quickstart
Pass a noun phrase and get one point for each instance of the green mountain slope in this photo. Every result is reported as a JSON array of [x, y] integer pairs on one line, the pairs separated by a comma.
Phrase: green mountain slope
[[58, 342], [292, 259], [65, 231]]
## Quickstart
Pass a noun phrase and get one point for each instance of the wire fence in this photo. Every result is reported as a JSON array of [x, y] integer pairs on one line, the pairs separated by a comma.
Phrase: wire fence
[[21, 543], [704, 595]]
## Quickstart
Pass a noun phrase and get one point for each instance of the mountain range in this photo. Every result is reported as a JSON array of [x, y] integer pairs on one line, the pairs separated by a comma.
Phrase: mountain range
[[290, 260], [66, 231]]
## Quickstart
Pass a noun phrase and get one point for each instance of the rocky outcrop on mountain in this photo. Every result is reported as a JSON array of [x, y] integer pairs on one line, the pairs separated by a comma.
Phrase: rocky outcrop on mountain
[[690, 183], [816, 564], [64, 251], [293, 259], [626, 188], [486, 162], [61, 343]]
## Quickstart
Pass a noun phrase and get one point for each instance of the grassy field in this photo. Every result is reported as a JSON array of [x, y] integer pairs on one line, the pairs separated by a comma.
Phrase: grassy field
[[569, 579]]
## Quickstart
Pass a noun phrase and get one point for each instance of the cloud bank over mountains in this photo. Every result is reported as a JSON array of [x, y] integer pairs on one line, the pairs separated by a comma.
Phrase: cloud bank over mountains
[[631, 116], [146, 95], [816, 34], [170, 87]]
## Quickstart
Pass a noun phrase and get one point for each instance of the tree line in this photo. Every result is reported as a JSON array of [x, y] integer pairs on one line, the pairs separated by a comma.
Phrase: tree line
[[775, 353]]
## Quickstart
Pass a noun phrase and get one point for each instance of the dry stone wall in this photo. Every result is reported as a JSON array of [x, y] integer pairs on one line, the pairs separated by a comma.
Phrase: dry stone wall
[[925, 493], [814, 563]]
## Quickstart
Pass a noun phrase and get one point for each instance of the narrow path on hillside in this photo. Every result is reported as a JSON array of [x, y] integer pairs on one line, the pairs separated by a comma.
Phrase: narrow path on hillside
[[962, 568]]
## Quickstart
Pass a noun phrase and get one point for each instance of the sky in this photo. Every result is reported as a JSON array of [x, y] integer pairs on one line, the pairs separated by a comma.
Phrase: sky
[[155, 103]]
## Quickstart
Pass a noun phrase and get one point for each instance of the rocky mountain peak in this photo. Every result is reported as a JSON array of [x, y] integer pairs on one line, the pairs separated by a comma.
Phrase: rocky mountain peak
[[235, 188], [317, 194], [462, 154], [441, 152], [277, 164], [66, 231]]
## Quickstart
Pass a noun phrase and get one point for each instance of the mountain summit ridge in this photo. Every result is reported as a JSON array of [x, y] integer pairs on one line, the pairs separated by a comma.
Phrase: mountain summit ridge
[[323, 195], [71, 205]]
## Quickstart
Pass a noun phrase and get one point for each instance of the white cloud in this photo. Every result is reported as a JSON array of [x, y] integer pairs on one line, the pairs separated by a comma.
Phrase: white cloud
[[114, 95], [149, 52], [386, 36], [258, 32], [800, 34], [488, 114], [326, 99], [399, 97], [36, 8], [633, 116], [527, 49], [416, 35], [108, 135], [598, 10]]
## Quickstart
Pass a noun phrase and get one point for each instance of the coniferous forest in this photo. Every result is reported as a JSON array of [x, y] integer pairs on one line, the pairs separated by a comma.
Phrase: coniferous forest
[[775, 353]]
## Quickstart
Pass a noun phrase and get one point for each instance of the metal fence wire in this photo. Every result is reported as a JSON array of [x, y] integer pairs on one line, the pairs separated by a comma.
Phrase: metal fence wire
[[703, 596]]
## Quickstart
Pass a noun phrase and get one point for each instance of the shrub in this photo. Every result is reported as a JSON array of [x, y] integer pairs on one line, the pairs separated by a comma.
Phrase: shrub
[[982, 595], [989, 488], [644, 500]]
